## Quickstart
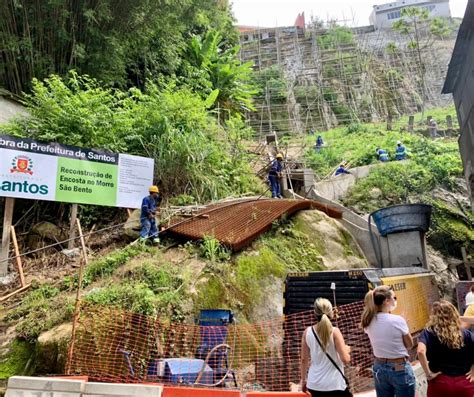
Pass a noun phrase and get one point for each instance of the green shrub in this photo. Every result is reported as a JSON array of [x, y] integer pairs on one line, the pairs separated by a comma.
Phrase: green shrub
[[104, 267], [18, 359]]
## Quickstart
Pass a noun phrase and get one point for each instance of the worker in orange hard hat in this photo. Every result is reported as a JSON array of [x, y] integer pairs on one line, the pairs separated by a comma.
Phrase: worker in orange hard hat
[[147, 217], [275, 175]]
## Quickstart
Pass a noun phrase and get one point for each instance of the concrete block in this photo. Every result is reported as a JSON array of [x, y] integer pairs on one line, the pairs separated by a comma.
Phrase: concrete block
[[38, 393], [93, 389], [45, 384], [406, 249]]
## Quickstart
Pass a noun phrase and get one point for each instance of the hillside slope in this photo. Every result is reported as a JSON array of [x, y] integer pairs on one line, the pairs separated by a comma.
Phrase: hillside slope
[[173, 284]]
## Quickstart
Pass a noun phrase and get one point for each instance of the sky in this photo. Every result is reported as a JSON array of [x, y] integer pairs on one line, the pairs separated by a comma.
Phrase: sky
[[271, 13]]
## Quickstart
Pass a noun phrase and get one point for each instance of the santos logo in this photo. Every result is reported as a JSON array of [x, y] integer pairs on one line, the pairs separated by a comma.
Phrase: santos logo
[[22, 165], [23, 187]]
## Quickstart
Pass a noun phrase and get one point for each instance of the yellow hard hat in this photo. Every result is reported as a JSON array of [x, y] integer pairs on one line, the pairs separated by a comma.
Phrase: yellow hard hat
[[153, 189], [279, 156]]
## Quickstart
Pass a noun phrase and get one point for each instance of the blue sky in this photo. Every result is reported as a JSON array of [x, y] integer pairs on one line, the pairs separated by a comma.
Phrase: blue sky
[[270, 13]]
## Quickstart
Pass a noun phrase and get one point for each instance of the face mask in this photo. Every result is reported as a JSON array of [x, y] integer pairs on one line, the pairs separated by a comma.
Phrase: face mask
[[393, 307]]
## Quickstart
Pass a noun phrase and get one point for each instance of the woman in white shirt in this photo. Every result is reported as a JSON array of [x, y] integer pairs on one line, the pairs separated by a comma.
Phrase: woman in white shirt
[[319, 375], [390, 339]]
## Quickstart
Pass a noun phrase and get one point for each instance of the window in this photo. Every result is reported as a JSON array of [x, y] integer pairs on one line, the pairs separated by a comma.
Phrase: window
[[393, 15], [430, 7]]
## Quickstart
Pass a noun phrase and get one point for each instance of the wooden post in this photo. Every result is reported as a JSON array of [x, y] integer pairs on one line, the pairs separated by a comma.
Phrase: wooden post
[[411, 123], [72, 226], [77, 307], [449, 122], [7, 222], [18, 258], [389, 122]]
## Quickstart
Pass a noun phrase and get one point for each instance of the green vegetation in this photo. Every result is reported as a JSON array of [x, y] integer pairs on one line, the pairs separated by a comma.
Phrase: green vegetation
[[434, 165], [41, 310], [211, 249], [105, 267], [194, 155], [122, 44], [18, 361], [239, 284], [336, 36], [356, 144]]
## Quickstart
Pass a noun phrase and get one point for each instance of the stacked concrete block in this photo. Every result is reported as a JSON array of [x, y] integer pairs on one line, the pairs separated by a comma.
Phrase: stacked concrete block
[[24, 386]]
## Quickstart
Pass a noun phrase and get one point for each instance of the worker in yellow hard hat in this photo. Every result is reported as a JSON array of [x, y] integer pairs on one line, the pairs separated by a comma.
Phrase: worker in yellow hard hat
[[275, 175], [147, 217]]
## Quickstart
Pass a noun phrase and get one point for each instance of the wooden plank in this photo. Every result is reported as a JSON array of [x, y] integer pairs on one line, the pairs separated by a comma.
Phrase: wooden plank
[[77, 308], [72, 226], [7, 222], [19, 265], [4, 298]]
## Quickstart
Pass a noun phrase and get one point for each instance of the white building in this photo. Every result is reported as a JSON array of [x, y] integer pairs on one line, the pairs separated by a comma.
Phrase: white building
[[384, 15]]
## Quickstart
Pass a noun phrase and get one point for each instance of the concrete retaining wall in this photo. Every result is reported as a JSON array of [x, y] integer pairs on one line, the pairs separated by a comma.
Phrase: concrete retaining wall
[[337, 187], [23, 386]]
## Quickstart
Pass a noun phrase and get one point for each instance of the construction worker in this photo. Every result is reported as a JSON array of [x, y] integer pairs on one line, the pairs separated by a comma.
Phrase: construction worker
[[275, 174], [382, 154], [341, 169], [319, 143], [147, 216], [400, 152]]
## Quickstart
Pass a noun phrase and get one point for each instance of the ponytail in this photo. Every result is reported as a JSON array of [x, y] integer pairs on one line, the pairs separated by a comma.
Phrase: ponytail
[[373, 301], [324, 330], [323, 310]]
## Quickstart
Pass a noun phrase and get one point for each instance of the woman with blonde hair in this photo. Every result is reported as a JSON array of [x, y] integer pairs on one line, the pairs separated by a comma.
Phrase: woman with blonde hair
[[323, 355], [390, 339], [446, 353]]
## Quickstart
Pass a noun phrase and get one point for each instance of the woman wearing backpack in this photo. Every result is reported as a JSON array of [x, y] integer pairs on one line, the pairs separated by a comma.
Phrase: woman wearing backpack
[[323, 355]]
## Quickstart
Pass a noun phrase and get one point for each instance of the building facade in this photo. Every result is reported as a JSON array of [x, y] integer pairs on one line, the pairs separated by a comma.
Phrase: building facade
[[384, 15], [460, 83]]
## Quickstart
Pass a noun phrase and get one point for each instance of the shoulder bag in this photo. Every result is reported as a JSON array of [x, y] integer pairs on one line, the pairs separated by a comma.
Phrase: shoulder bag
[[347, 391]]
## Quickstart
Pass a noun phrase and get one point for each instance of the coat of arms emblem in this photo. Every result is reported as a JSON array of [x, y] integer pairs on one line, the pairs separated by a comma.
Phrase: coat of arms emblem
[[22, 164]]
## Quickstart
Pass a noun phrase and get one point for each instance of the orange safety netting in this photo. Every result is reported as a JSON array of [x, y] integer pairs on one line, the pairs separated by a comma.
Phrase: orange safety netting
[[117, 346]]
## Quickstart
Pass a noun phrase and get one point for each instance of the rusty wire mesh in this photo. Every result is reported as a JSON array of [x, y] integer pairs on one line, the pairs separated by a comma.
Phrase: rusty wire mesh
[[237, 223]]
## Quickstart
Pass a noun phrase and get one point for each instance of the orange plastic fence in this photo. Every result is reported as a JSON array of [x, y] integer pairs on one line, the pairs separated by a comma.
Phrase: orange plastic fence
[[117, 346]]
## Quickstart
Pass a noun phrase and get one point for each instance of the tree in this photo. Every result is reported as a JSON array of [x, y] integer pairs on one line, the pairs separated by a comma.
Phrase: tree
[[415, 23], [218, 72], [122, 43]]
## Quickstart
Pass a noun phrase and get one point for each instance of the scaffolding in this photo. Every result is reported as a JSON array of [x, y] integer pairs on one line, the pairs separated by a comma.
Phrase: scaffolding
[[317, 78]]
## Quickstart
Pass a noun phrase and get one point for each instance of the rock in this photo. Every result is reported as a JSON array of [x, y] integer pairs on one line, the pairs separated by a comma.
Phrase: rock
[[445, 278], [132, 228], [52, 348], [48, 231], [71, 253], [8, 279], [375, 193], [340, 249]]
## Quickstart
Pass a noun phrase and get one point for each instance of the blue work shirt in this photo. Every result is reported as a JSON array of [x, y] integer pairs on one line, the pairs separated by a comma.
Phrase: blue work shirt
[[341, 170], [400, 152], [148, 206], [383, 155], [277, 166]]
